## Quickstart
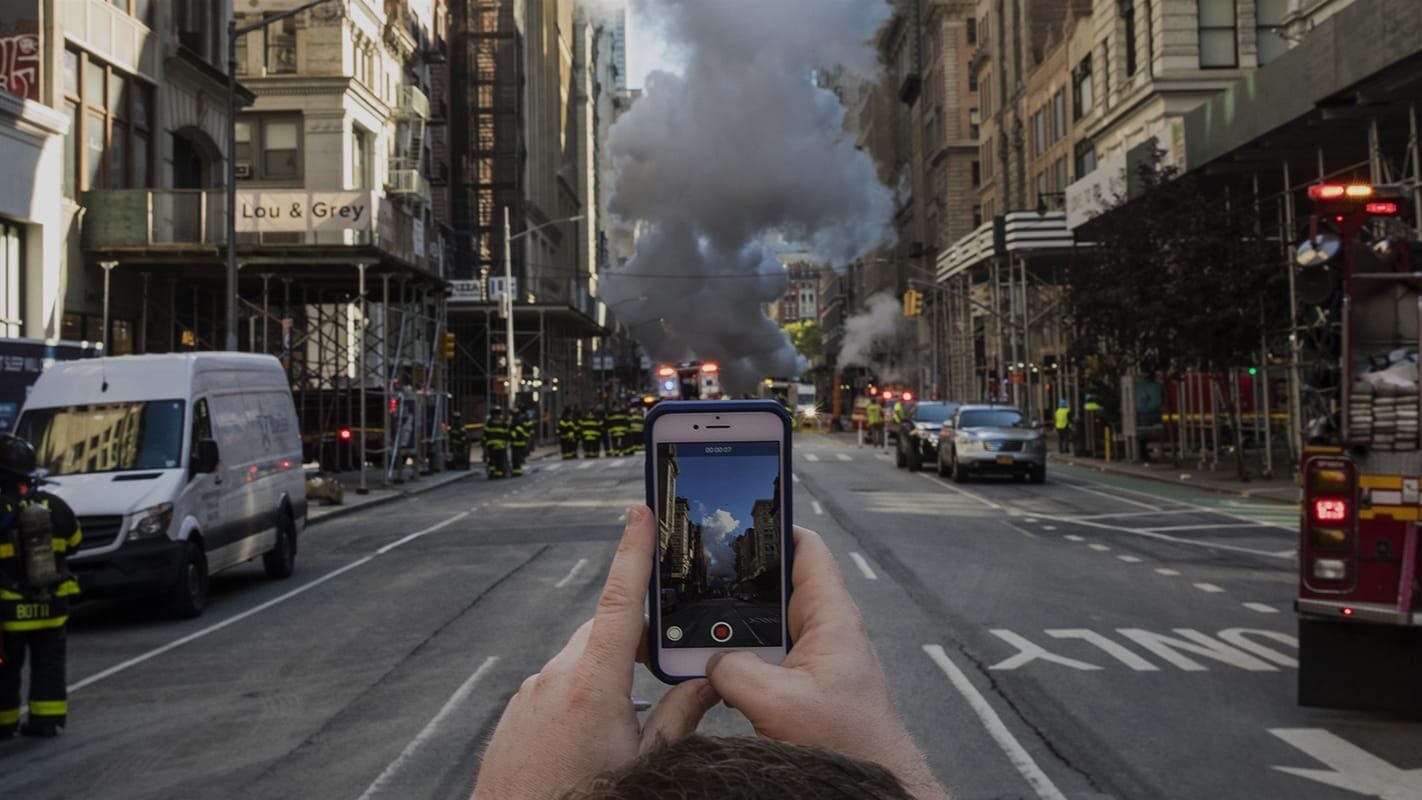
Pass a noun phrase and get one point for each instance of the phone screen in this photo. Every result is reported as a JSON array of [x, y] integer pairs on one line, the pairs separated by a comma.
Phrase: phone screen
[[720, 570]]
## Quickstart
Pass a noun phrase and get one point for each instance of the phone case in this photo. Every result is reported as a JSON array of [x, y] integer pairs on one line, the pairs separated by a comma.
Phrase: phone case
[[730, 407]]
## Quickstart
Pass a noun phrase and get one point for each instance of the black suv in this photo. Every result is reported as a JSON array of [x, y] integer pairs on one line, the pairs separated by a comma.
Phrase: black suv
[[918, 433]]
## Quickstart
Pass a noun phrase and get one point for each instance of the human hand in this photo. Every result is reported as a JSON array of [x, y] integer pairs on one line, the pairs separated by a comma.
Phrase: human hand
[[574, 719], [830, 691]]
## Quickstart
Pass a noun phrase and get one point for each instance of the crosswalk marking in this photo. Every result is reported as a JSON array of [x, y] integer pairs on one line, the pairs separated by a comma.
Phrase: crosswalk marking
[[819, 509], [1100, 548], [1261, 608], [843, 456], [1071, 537], [553, 467], [587, 465], [795, 477], [1129, 559], [811, 457], [1208, 587], [1168, 572], [863, 565]]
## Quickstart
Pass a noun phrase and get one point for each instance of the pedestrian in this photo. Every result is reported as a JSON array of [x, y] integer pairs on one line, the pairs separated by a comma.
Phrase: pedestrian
[[617, 423], [496, 445], [592, 432], [824, 717], [1063, 425], [568, 433], [636, 429], [458, 442], [37, 532], [874, 421], [519, 433]]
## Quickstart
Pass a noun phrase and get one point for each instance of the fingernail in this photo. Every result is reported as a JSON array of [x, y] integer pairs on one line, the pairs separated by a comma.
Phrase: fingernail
[[636, 514], [707, 695]]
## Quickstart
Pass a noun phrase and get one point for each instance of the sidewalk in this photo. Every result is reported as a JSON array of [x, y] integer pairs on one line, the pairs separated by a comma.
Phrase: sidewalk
[[380, 495], [1275, 490]]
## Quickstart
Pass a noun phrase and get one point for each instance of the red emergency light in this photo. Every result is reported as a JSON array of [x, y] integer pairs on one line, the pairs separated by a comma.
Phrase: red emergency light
[[908, 397], [1330, 510], [1333, 191], [1382, 208], [888, 395], [710, 368], [344, 434], [666, 372]]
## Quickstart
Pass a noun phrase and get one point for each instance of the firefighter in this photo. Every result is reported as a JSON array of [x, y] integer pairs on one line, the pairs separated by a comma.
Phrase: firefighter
[[37, 531], [458, 442], [874, 421], [591, 428], [637, 425], [568, 433], [617, 422], [519, 433], [496, 445]]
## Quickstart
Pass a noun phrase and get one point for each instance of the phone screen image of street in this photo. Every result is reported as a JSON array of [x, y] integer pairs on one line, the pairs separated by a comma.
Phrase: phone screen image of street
[[720, 538]]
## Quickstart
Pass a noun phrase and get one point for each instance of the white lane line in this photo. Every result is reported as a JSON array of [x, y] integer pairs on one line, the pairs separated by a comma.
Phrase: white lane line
[[863, 565], [572, 574], [843, 456], [587, 464], [1141, 513], [1208, 587], [1071, 537], [811, 457], [1205, 527], [1168, 572], [1128, 501], [1261, 608], [457, 699], [1047, 527], [1165, 537], [1129, 559], [795, 477], [194, 636], [964, 492], [819, 509], [1100, 548], [1013, 749], [1280, 508], [426, 532]]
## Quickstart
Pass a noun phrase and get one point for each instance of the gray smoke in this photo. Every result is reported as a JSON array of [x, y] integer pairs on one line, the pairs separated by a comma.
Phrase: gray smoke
[[876, 331], [741, 146]]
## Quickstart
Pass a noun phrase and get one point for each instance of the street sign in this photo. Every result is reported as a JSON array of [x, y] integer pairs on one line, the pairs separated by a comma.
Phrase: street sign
[[496, 288], [467, 291]]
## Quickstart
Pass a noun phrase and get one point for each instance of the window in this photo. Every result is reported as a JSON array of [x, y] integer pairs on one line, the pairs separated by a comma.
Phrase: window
[[1085, 158], [1128, 26], [138, 9], [279, 47], [1059, 175], [198, 28], [975, 122], [1270, 26], [1039, 132], [972, 31], [1081, 94], [972, 81], [1218, 45], [202, 427], [111, 124], [12, 275], [269, 147], [977, 216], [977, 173], [1041, 187], [1059, 127], [360, 160]]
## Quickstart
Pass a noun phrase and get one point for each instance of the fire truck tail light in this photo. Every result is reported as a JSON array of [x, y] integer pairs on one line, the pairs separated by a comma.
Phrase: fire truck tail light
[[344, 434], [1328, 480], [1330, 510], [710, 368], [1359, 190], [1332, 539], [1326, 191], [1347, 612], [1381, 208], [1330, 569]]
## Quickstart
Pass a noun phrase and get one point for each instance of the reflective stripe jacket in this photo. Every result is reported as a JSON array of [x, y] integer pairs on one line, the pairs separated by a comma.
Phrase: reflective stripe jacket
[[617, 423], [592, 427], [567, 429], [23, 609], [520, 432], [496, 435]]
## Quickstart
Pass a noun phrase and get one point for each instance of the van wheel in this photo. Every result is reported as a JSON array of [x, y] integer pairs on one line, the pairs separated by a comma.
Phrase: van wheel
[[942, 465], [280, 561], [188, 596]]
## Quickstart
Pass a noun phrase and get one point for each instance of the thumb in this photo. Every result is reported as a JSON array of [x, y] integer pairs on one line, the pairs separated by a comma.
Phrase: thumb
[[748, 684], [677, 714]]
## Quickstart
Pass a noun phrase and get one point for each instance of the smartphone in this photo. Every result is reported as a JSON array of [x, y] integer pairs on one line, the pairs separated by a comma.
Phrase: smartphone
[[718, 479]]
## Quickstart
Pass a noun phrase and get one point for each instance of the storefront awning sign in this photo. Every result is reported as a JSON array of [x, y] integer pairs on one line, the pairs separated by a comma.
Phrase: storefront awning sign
[[297, 211]]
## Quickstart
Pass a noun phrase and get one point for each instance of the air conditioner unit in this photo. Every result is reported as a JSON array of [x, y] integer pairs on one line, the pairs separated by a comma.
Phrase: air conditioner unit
[[243, 169]]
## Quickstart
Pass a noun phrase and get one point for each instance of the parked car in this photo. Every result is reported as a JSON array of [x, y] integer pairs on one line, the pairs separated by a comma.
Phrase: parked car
[[918, 434], [178, 466], [992, 439]]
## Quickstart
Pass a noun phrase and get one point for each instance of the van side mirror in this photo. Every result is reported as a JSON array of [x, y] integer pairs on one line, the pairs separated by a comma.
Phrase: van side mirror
[[206, 459]]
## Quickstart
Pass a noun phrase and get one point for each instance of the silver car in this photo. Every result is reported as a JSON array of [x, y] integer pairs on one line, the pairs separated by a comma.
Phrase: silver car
[[991, 440]]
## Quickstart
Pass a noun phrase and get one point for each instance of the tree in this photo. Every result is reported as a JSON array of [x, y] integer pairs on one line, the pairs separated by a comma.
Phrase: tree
[[808, 339]]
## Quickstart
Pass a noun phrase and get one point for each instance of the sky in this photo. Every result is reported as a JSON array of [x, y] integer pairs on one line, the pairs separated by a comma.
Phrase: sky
[[646, 51], [721, 496]]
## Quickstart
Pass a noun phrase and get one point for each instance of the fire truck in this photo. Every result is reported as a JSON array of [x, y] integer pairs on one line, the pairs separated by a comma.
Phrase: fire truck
[[1360, 628], [689, 380]]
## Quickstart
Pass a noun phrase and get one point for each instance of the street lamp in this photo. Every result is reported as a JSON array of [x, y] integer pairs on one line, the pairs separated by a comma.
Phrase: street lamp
[[507, 304], [233, 34]]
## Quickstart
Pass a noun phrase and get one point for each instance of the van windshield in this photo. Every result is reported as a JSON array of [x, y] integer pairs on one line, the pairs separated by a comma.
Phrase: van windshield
[[107, 437]]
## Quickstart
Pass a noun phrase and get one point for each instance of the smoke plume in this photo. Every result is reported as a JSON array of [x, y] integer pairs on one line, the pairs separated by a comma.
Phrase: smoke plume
[[874, 331], [740, 146]]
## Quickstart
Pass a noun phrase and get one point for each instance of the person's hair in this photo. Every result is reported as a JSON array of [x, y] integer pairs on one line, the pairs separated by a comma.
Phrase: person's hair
[[742, 768]]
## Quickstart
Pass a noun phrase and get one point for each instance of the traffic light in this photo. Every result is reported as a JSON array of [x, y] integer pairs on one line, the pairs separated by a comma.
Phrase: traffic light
[[446, 346], [913, 303]]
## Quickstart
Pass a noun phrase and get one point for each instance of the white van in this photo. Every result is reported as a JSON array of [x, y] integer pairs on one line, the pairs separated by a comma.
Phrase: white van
[[178, 466]]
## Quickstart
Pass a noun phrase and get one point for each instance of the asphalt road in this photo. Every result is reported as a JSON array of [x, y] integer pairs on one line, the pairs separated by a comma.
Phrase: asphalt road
[[1093, 637]]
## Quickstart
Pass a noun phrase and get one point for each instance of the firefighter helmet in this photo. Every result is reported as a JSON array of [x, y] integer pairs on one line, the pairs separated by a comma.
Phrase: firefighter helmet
[[17, 457]]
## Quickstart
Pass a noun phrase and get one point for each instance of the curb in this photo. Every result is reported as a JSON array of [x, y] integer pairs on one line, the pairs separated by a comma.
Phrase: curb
[[1146, 476]]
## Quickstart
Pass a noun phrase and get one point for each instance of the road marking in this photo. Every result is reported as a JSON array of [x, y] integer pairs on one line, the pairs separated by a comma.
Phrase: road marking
[[1140, 513], [883, 457], [587, 464], [1071, 537], [1128, 501], [1100, 548], [819, 509], [1249, 649], [1013, 749], [1352, 768], [572, 574], [1164, 571], [1111, 648], [864, 567], [1027, 652], [553, 467], [1169, 649], [457, 699], [1261, 608], [1208, 587], [1129, 559], [795, 477], [194, 636], [1186, 503], [417, 534], [1165, 537], [843, 456], [811, 457], [1205, 527], [1048, 527], [950, 487], [1030, 520]]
